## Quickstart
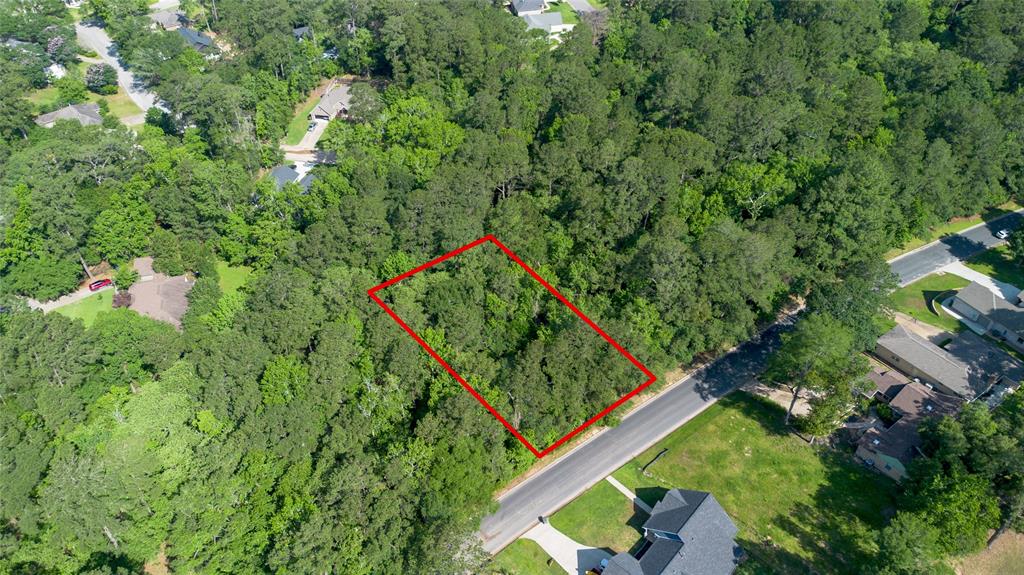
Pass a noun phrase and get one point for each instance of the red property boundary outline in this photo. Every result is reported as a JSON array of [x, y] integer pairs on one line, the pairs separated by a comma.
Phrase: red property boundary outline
[[651, 378]]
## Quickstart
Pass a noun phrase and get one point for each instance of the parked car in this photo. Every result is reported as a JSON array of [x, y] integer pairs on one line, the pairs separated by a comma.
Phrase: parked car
[[1003, 234], [99, 284], [312, 126]]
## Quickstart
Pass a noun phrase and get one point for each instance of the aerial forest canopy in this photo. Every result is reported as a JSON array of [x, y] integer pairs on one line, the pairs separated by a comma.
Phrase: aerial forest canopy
[[680, 170]]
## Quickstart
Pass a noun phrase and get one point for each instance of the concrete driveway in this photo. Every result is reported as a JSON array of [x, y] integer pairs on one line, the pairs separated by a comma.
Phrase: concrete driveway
[[581, 6], [574, 557], [94, 38], [309, 139], [1002, 289]]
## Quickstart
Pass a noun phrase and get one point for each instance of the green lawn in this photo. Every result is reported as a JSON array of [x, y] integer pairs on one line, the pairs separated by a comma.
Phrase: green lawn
[[232, 278], [913, 299], [88, 308], [121, 105], [300, 122], [601, 517], [998, 263], [799, 509], [524, 557], [952, 227], [568, 14]]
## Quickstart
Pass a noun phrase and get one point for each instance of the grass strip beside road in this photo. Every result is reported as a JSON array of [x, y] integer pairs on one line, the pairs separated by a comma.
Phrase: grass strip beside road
[[953, 226], [601, 517], [997, 263], [524, 557]]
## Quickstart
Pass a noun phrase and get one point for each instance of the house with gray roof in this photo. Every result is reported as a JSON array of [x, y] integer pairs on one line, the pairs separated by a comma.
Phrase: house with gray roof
[[526, 7], [168, 19], [87, 114], [991, 313], [302, 32], [283, 175], [197, 40], [967, 366], [332, 104], [688, 532], [549, 22]]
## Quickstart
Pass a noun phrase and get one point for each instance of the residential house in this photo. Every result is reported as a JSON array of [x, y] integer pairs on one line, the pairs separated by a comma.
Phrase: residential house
[[332, 104], [85, 114], [887, 382], [967, 367], [168, 19], [687, 532], [527, 7], [286, 174], [993, 314], [302, 32], [550, 22], [197, 40], [890, 449]]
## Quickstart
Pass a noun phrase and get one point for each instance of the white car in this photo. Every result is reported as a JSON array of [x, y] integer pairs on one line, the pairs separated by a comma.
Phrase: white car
[[1003, 234]]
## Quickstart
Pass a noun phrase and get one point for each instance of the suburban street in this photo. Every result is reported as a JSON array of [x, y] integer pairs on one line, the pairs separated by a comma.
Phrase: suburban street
[[917, 264], [562, 481], [96, 39]]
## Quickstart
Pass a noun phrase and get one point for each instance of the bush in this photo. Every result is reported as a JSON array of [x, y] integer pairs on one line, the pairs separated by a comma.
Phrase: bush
[[70, 91], [125, 277], [101, 79]]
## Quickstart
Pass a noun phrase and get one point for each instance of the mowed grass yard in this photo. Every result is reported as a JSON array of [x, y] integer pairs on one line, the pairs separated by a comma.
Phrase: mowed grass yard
[[88, 308], [913, 300], [524, 557], [300, 122], [121, 105], [232, 278], [952, 227], [998, 263], [601, 517], [799, 509]]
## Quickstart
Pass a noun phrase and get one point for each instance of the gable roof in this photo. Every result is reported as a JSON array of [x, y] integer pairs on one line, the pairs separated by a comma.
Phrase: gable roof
[[915, 402], [623, 564], [985, 362], [283, 174], [992, 306], [197, 40], [334, 101], [675, 509], [929, 359], [707, 536], [300, 32], [520, 6], [887, 381], [168, 18], [545, 21], [86, 114]]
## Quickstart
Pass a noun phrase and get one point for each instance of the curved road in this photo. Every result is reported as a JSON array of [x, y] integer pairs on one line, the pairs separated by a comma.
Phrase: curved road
[[94, 38], [575, 472]]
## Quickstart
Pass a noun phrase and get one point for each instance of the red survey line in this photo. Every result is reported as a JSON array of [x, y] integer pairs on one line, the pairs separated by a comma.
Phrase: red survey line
[[372, 292]]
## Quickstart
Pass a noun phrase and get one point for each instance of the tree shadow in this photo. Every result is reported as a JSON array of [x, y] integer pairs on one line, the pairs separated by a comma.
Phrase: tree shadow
[[961, 247], [840, 527], [650, 496], [739, 367]]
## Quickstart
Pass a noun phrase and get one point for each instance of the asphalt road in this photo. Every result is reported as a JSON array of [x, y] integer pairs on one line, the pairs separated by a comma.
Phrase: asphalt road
[[917, 264], [96, 39], [556, 485], [574, 473]]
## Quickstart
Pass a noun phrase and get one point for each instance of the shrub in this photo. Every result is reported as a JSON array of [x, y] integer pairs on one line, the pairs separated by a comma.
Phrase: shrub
[[101, 78]]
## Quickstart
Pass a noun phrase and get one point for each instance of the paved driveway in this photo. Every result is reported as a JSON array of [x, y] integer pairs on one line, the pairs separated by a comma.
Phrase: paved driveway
[[96, 39], [581, 6], [574, 557], [1002, 289]]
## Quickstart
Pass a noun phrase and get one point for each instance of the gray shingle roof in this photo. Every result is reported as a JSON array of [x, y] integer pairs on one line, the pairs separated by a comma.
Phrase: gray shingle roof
[[283, 174], [992, 306], [334, 101], [675, 509], [985, 362], [931, 360], [623, 564], [168, 19], [86, 114], [545, 21], [520, 6], [915, 403], [197, 40]]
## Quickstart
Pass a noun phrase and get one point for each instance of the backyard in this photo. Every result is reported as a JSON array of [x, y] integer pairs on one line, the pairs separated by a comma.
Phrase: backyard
[[998, 263], [232, 278], [121, 105], [799, 509], [914, 300]]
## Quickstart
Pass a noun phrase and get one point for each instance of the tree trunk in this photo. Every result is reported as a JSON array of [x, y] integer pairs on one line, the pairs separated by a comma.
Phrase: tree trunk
[[1003, 527], [84, 266], [796, 395]]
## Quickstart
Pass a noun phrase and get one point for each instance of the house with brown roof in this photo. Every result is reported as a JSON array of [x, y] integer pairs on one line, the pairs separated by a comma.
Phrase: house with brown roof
[[890, 449], [87, 114]]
